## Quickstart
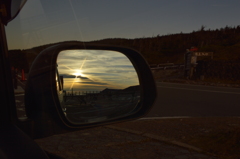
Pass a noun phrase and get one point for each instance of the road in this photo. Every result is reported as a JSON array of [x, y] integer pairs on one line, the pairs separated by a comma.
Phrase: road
[[195, 100], [184, 100]]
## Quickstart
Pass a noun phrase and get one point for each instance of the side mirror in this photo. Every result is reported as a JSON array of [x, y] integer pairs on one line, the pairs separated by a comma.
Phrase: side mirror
[[73, 86]]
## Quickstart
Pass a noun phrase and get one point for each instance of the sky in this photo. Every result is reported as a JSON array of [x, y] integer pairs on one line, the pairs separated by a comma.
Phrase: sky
[[47, 21], [95, 70]]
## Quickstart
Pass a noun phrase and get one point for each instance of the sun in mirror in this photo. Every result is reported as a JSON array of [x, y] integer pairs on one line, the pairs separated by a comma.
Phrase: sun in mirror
[[97, 85]]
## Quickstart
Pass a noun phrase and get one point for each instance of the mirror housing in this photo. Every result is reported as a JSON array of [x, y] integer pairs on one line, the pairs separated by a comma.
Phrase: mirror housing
[[41, 97]]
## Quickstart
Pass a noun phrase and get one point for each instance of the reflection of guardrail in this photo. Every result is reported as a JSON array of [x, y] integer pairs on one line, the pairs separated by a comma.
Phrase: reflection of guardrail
[[81, 96], [78, 93], [159, 67], [84, 97]]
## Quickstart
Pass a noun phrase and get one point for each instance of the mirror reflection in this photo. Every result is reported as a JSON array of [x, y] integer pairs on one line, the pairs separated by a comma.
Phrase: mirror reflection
[[96, 85]]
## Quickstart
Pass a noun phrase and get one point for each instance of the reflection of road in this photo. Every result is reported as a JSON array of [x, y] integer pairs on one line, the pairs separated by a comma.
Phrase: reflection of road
[[107, 104], [98, 111]]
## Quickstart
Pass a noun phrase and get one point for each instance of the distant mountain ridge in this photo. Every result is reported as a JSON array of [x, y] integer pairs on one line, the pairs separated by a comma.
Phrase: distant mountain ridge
[[224, 42]]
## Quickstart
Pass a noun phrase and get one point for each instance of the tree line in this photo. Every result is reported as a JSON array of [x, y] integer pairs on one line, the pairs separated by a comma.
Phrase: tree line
[[224, 42]]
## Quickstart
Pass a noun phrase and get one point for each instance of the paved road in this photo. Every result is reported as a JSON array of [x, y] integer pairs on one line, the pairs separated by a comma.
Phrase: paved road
[[195, 100], [185, 100]]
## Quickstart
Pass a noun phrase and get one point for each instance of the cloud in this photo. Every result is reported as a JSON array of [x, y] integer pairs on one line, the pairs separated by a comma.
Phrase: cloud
[[81, 77], [120, 72], [67, 76], [72, 76], [98, 74], [93, 83], [75, 58]]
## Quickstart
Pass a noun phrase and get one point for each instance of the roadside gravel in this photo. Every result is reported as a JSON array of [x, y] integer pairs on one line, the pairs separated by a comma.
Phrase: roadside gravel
[[215, 135]]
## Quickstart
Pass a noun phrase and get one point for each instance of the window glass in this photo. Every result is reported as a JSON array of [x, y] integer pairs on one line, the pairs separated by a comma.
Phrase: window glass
[[192, 47]]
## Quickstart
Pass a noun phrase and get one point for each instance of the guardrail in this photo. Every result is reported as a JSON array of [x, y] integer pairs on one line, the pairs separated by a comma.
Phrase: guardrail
[[178, 66]]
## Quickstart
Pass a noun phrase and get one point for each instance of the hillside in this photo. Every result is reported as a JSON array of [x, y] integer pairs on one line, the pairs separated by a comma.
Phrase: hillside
[[224, 42]]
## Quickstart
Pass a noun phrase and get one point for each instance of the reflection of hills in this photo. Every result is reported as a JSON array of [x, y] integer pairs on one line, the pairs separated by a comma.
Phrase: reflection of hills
[[127, 94], [109, 91], [128, 89], [110, 94], [132, 88]]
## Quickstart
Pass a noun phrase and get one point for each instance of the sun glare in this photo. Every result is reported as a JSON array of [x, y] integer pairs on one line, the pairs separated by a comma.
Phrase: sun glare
[[78, 73]]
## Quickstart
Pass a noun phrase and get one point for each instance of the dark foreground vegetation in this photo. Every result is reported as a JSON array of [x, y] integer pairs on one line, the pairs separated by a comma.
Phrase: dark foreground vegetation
[[224, 42]]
